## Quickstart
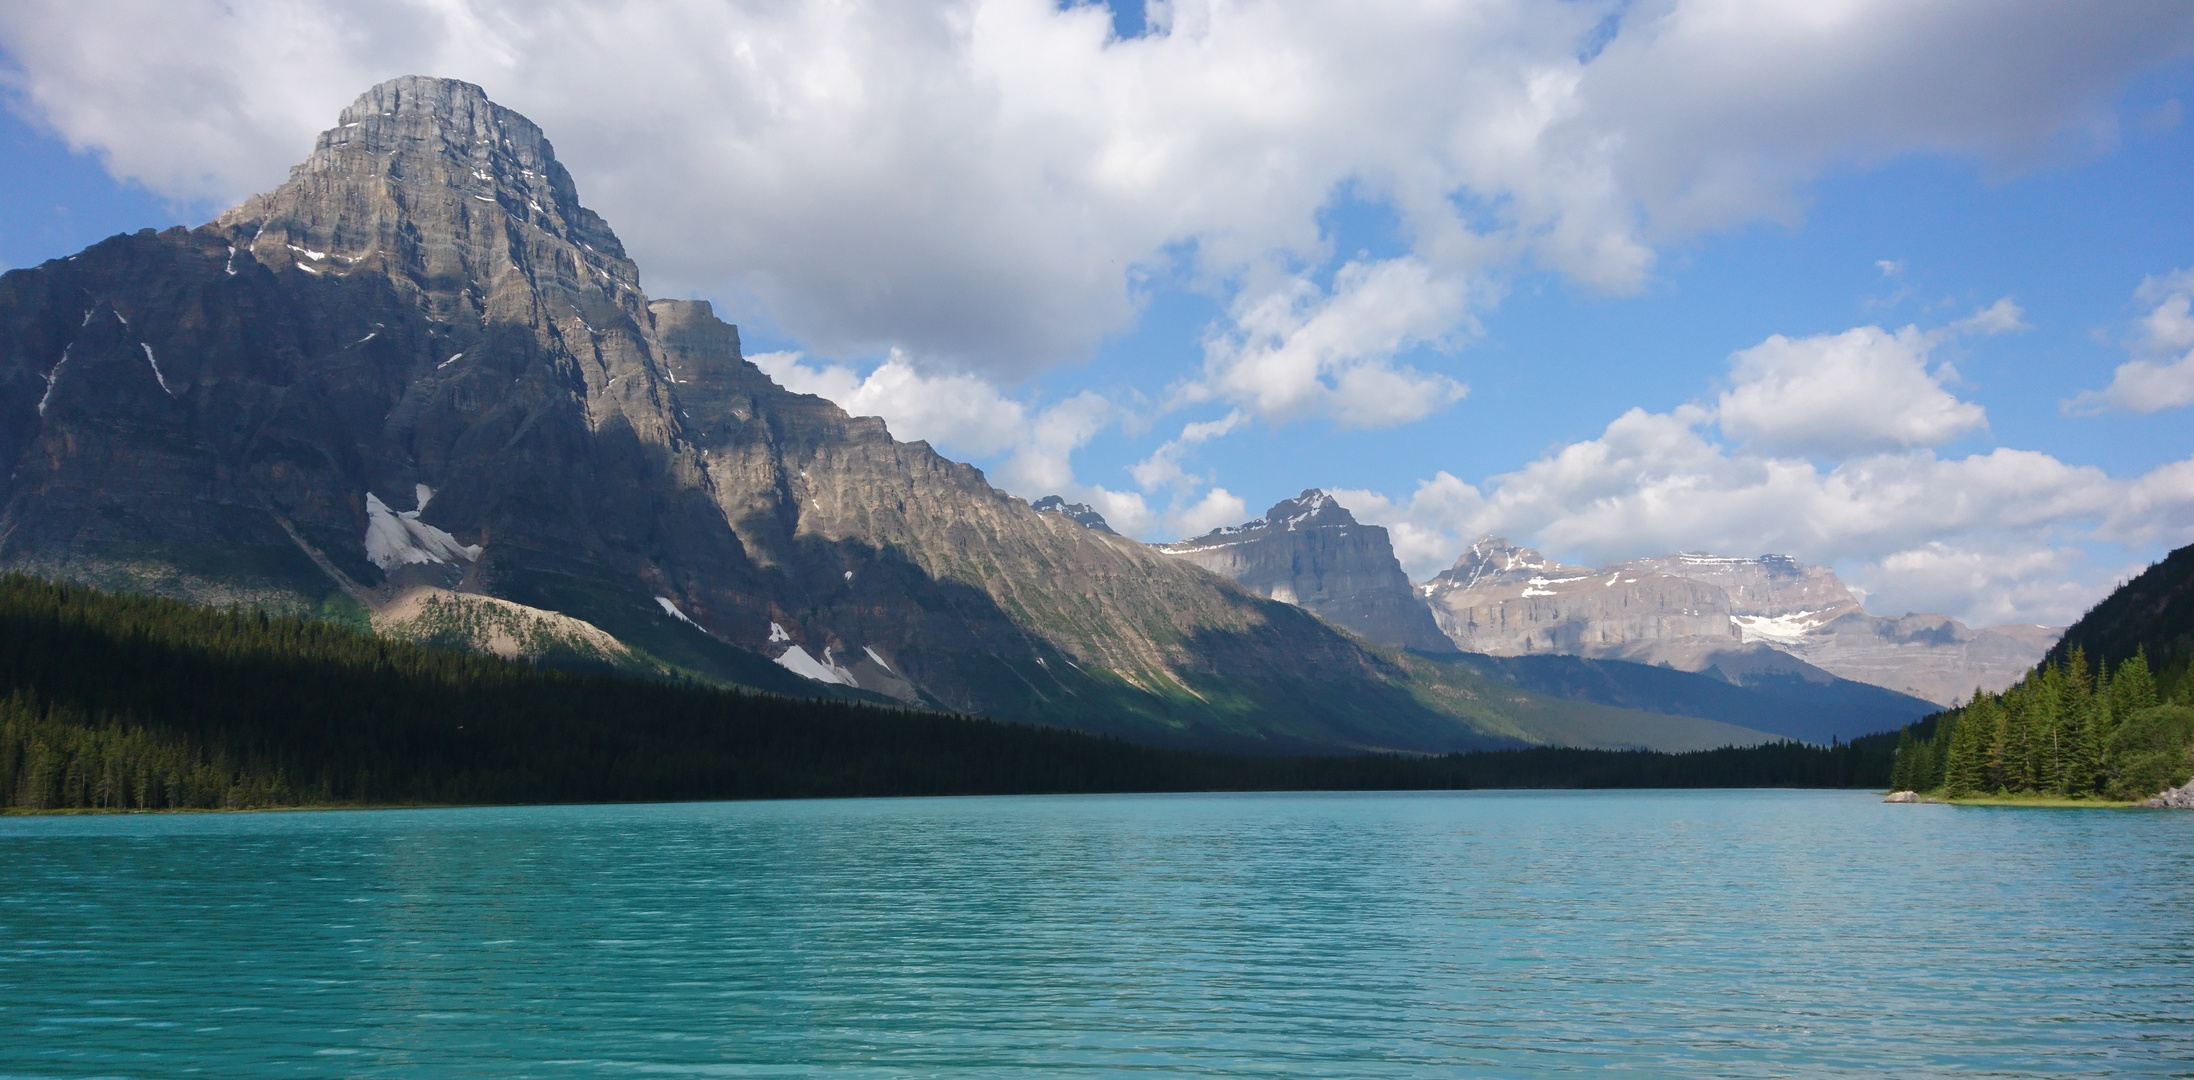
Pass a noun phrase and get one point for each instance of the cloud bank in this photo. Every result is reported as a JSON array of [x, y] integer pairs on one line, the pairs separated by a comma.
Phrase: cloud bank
[[980, 183]]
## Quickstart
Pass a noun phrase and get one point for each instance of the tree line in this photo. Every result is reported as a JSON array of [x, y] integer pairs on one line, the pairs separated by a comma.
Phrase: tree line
[[121, 702], [2070, 728]]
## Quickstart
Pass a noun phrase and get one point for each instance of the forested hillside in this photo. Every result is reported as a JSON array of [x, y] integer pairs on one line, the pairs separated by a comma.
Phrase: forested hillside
[[2153, 613], [134, 702], [2072, 729]]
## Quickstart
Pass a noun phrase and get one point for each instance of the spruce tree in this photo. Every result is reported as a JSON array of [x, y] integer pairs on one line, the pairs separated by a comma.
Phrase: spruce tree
[[2012, 761], [1973, 736], [2133, 687]]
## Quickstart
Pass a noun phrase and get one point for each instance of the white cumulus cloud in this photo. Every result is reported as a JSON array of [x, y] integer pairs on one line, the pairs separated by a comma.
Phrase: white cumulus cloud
[[982, 183], [1864, 389], [2161, 374]]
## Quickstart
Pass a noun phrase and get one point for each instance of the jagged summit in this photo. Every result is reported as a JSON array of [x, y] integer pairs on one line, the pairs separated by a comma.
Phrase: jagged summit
[[428, 182], [1081, 514], [1310, 510], [1311, 552], [1486, 560]]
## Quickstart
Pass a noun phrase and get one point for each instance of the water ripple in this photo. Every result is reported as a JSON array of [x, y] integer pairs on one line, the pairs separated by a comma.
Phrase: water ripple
[[1741, 934]]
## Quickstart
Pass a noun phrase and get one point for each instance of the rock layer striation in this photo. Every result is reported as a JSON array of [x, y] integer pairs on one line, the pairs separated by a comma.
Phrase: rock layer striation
[[1739, 617]]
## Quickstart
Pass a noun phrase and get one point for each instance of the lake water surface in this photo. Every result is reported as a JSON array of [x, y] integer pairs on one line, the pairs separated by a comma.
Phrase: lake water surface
[[1467, 934]]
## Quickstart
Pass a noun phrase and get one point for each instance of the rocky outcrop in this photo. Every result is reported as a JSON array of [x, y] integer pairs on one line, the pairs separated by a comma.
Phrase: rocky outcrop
[[1309, 551], [2178, 798], [1704, 612], [443, 619], [422, 363], [1902, 797]]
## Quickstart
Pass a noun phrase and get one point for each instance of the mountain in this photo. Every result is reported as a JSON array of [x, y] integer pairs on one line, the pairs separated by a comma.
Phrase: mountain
[[1311, 552], [2153, 613], [1703, 612], [421, 370]]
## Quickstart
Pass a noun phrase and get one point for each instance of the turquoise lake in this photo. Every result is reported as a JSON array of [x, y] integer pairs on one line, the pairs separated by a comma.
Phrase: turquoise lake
[[1736, 933]]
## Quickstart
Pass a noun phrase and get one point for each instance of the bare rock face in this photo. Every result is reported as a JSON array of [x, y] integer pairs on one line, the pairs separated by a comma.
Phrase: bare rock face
[[1502, 600], [1740, 617], [1766, 594], [422, 364], [1311, 552]]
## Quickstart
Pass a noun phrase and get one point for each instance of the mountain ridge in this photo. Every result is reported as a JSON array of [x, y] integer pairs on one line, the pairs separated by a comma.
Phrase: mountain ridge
[[1703, 612]]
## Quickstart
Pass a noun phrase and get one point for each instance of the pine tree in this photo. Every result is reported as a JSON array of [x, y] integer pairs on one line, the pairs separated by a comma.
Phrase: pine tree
[[2062, 714], [2133, 687], [2086, 776], [1939, 752], [1900, 774], [1974, 734], [2013, 759]]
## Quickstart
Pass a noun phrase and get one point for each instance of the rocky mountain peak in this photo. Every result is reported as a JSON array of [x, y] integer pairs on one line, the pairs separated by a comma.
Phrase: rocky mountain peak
[[441, 190], [1310, 510], [1081, 514], [1486, 559], [1311, 552]]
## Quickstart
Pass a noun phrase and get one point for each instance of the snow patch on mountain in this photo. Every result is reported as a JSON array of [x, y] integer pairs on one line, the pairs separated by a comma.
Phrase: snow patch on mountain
[[797, 661], [1777, 630], [394, 539], [670, 608]]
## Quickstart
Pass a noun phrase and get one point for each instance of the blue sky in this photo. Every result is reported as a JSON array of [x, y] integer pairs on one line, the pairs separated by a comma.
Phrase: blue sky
[[1188, 267]]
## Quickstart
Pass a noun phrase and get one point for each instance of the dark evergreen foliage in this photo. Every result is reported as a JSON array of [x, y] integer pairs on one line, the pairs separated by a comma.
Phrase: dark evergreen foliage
[[125, 702], [2068, 729], [2152, 614]]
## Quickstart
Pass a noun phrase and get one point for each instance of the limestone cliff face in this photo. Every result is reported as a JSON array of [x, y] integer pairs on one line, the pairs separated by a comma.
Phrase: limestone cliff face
[[1311, 552], [1742, 617], [421, 363], [1502, 600]]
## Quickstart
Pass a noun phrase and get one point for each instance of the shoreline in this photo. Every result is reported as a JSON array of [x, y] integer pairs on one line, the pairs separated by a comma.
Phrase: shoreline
[[2035, 802]]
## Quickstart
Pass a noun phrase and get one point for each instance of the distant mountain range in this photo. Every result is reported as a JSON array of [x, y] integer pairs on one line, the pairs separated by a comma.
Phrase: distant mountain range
[[1661, 635], [418, 386], [1699, 612], [1737, 619]]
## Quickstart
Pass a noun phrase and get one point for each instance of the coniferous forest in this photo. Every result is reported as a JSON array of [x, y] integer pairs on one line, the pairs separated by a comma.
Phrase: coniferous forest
[[131, 702], [2071, 729]]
